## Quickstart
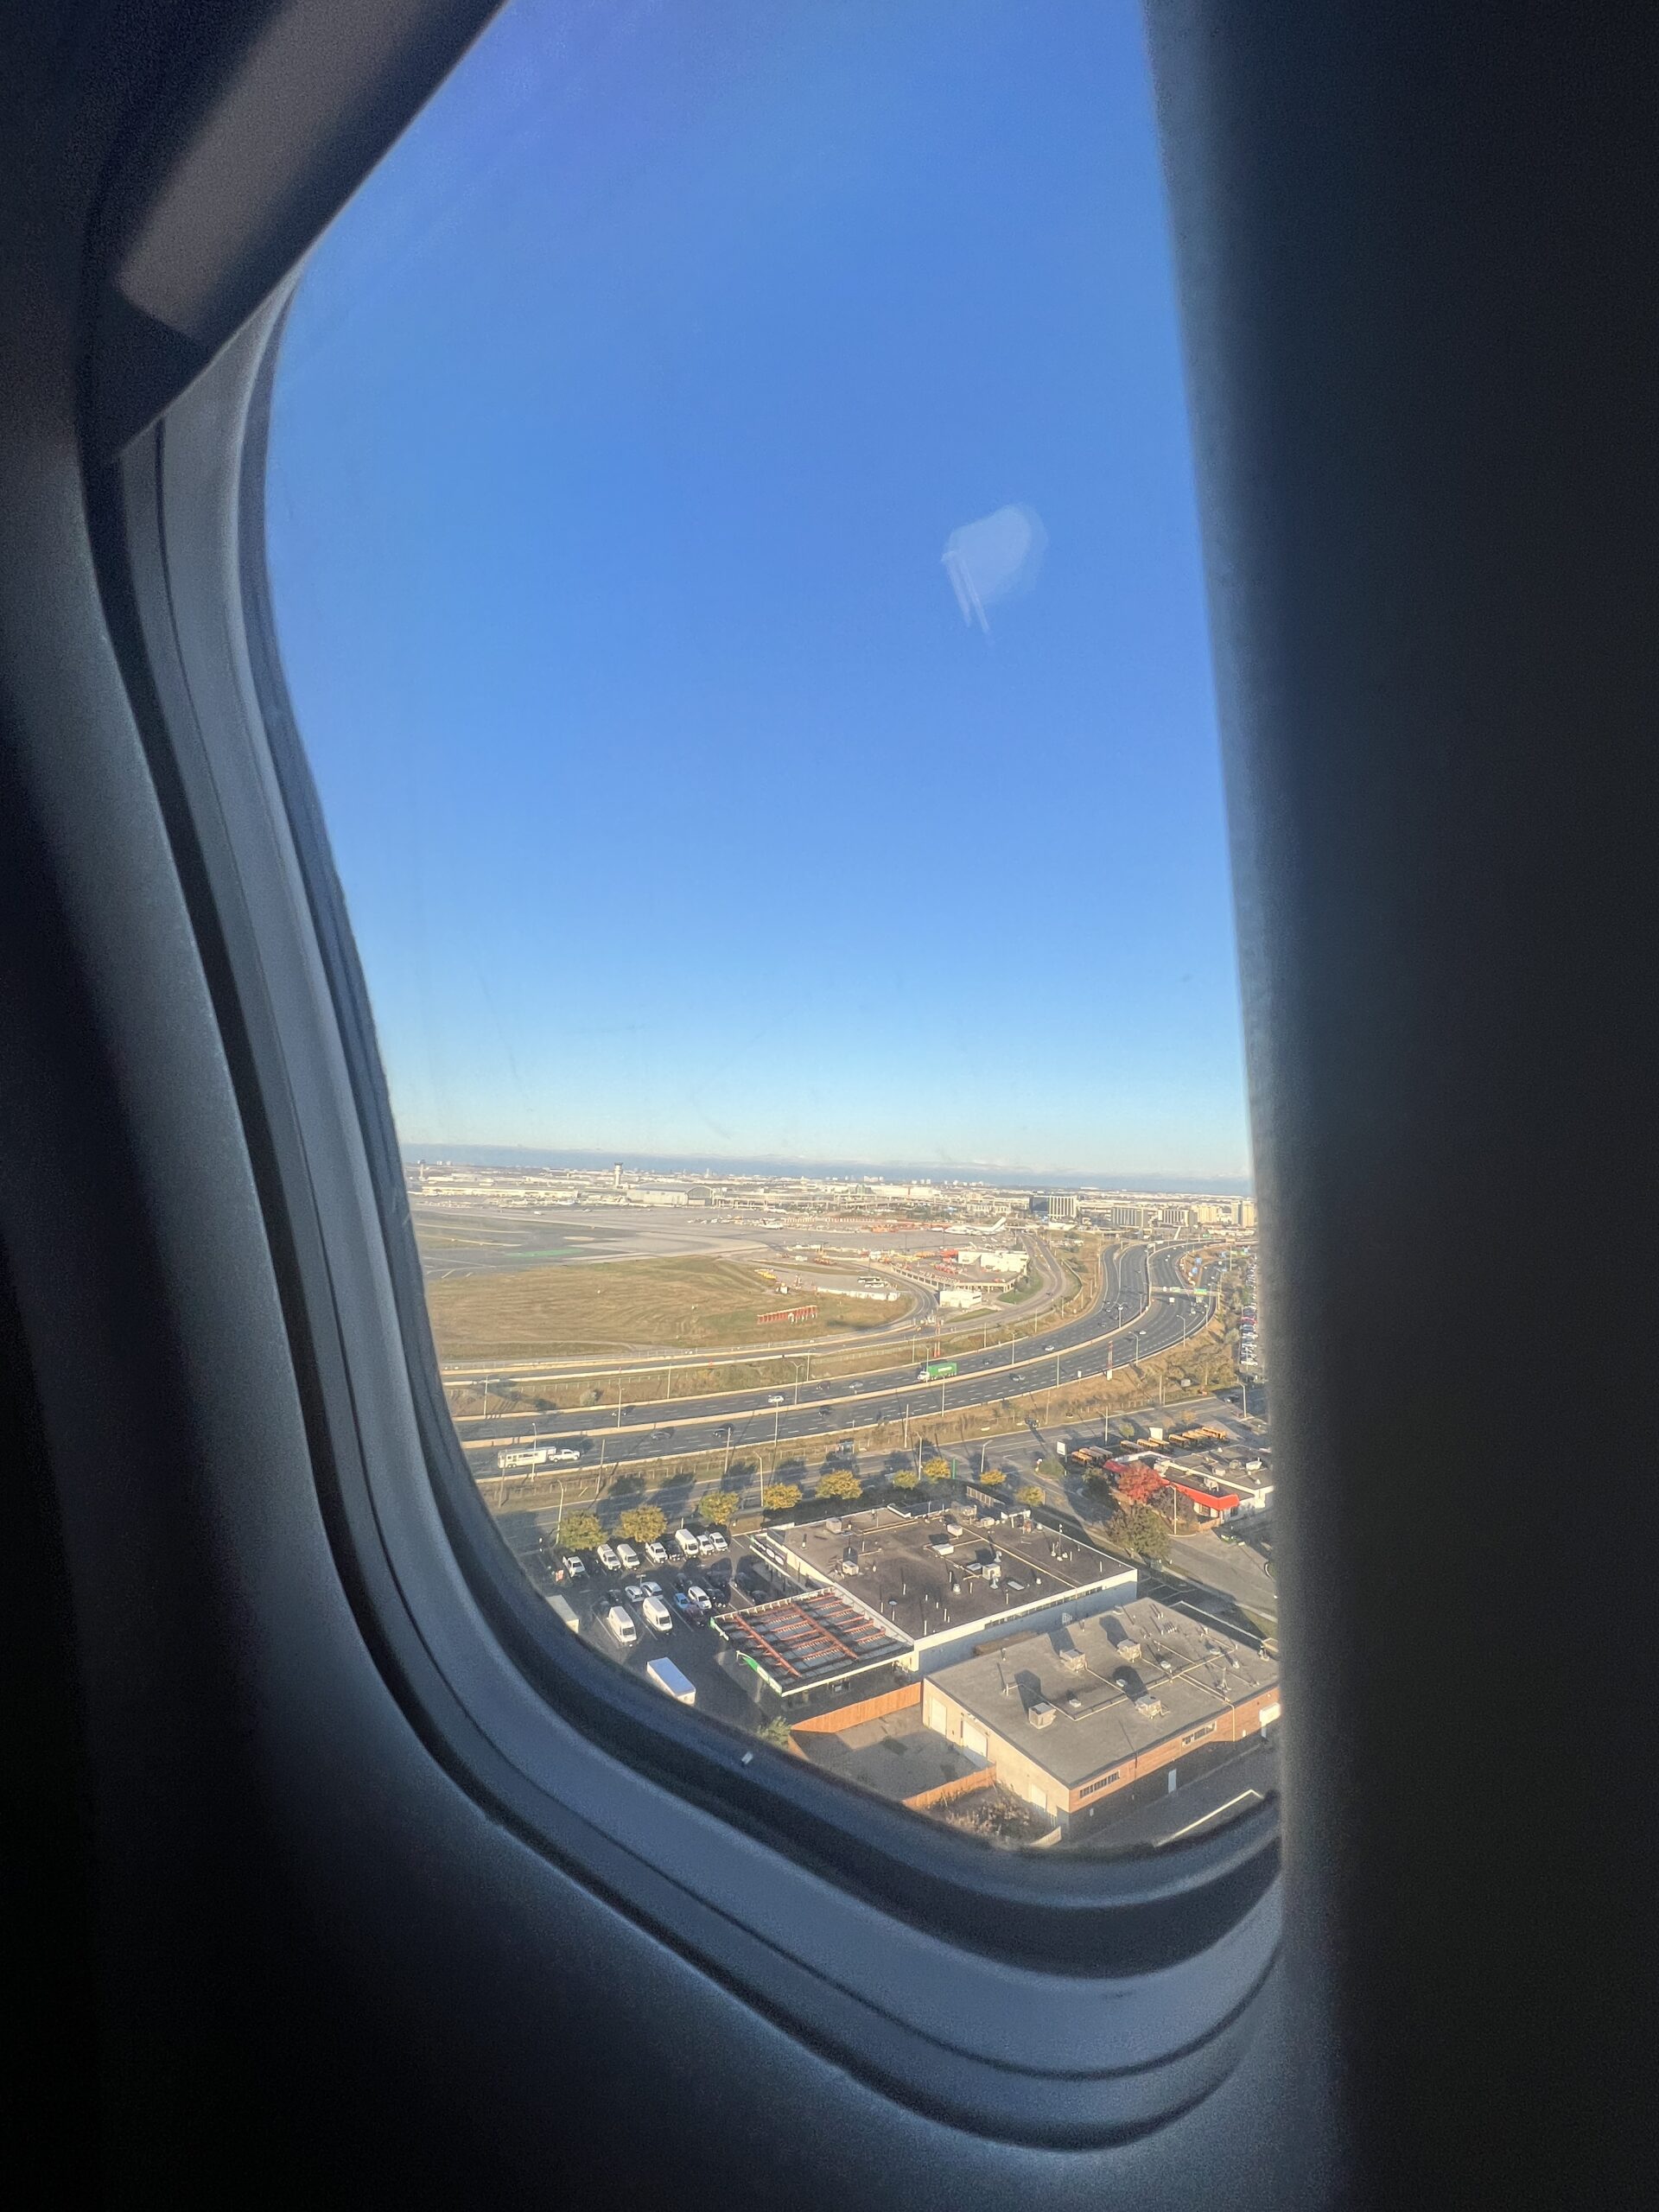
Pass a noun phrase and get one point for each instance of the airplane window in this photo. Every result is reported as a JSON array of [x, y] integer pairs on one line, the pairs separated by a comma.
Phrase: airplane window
[[733, 548]]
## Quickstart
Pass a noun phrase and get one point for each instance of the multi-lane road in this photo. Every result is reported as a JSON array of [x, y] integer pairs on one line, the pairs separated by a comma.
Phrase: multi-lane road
[[1143, 1308]]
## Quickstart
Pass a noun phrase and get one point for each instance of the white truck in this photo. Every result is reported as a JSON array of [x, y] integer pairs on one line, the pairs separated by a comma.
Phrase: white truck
[[667, 1676], [566, 1612], [619, 1621], [657, 1615]]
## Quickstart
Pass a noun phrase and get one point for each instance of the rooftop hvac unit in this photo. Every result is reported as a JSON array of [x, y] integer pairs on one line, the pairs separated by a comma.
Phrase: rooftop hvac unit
[[1148, 1706], [1126, 1644], [1041, 1715], [1073, 1661]]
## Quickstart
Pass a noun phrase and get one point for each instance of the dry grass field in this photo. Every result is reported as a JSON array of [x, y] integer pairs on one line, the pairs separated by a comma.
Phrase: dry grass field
[[622, 1306]]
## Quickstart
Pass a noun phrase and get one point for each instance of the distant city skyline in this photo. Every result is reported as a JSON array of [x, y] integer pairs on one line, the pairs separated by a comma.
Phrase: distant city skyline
[[966, 1172]]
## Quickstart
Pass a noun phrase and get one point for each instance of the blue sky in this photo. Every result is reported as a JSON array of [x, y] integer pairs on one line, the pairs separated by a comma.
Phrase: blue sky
[[620, 427]]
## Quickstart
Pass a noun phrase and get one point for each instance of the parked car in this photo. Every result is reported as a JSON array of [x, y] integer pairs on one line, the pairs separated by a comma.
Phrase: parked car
[[619, 1621], [700, 1597], [656, 1554], [657, 1614], [608, 1559], [688, 1543], [714, 1544], [575, 1567], [633, 1593], [629, 1557], [683, 1604]]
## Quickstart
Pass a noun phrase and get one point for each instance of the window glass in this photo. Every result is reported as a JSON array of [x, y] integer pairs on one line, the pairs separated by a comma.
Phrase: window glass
[[733, 548]]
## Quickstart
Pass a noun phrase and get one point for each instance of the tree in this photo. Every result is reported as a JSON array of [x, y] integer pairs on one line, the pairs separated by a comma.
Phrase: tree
[[776, 1731], [992, 1477], [841, 1482], [581, 1532], [936, 1470], [1147, 1532], [903, 1478], [780, 1497], [643, 1524], [1052, 1469], [720, 1507], [1031, 1495], [1139, 1484]]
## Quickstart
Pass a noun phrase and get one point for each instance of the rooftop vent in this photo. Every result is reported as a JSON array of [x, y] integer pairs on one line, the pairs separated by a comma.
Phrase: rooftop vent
[[1041, 1715], [1148, 1706], [1126, 1644]]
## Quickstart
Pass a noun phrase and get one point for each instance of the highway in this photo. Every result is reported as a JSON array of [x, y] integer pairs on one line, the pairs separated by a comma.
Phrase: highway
[[1142, 1310]]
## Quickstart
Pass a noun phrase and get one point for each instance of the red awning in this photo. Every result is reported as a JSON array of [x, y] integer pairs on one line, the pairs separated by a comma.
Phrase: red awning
[[1220, 1501]]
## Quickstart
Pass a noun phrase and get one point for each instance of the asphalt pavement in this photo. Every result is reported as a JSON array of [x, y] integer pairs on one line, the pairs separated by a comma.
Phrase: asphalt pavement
[[1142, 1310]]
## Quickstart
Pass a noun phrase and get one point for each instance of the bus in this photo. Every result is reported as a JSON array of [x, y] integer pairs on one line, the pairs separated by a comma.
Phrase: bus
[[936, 1370]]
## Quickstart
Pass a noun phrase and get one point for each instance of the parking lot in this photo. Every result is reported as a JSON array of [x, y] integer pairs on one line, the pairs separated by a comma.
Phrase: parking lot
[[689, 1641]]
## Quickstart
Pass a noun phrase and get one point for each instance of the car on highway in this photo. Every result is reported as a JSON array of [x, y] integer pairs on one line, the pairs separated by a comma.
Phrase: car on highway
[[565, 1455], [629, 1557], [657, 1552], [776, 1399], [607, 1559], [660, 1435]]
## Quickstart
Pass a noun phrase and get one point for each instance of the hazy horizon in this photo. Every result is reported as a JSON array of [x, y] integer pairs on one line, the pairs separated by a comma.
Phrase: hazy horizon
[[1151, 1182]]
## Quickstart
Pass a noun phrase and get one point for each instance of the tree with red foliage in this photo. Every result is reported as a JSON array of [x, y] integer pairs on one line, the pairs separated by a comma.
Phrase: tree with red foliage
[[1139, 1484]]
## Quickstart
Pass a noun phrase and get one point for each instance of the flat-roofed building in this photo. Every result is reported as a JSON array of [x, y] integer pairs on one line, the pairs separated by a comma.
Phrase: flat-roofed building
[[940, 1581], [1072, 1716]]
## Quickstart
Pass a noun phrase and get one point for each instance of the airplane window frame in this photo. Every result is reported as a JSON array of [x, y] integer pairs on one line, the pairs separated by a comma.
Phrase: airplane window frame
[[1042, 1999]]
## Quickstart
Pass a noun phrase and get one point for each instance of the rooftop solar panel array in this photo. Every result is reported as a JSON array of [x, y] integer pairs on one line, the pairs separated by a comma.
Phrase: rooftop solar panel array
[[811, 1638]]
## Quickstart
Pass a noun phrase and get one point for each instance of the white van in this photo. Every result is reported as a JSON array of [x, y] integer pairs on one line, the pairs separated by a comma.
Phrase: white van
[[689, 1547], [667, 1676], [629, 1557], [657, 1615], [619, 1621], [608, 1559]]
